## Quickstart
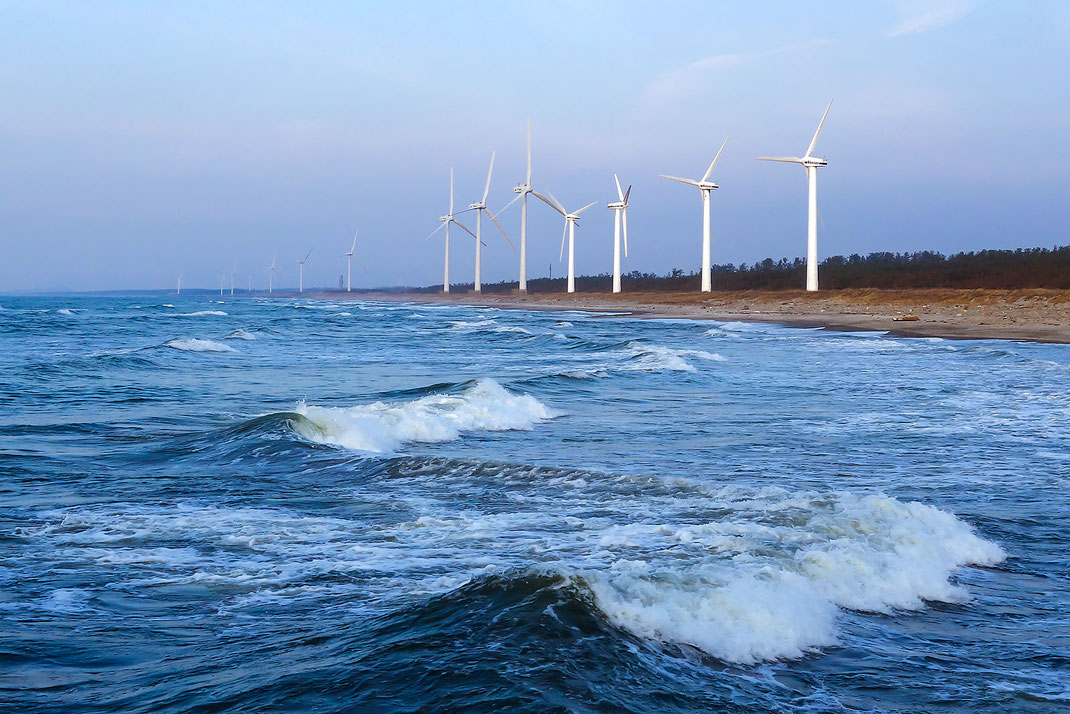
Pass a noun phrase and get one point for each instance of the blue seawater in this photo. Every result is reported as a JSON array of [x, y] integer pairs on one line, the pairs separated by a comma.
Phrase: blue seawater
[[247, 504]]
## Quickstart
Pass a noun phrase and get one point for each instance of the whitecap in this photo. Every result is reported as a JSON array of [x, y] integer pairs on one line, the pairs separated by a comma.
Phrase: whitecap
[[201, 313], [240, 334], [193, 344], [379, 427], [652, 358]]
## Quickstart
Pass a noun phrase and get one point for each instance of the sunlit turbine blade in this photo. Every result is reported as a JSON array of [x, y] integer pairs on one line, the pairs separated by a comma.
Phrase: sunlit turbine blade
[[620, 194], [432, 233], [547, 201], [500, 227], [308, 254], [560, 206], [681, 180], [817, 133], [712, 163], [626, 194], [586, 207], [354, 246], [515, 199], [785, 159], [486, 189], [564, 232], [528, 181], [464, 228]]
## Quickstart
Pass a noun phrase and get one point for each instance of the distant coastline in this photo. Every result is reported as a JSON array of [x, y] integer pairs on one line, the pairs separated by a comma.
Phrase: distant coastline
[[1035, 315]]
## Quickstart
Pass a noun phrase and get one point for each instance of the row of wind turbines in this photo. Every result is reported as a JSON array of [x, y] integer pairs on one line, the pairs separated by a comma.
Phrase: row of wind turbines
[[705, 185], [620, 218]]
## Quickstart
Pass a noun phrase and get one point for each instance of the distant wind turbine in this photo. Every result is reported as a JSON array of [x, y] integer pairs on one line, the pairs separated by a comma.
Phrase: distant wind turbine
[[301, 271], [233, 274], [446, 221], [620, 214], [570, 230], [179, 292], [811, 164], [705, 186], [522, 192], [350, 257], [479, 208], [271, 273], [222, 280]]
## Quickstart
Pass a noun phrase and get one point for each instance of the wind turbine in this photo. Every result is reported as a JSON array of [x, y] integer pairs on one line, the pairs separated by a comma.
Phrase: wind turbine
[[620, 214], [479, 208], [301, 271], [179, 291], [570, 229], [349, 263], [705, 186], [522, 192], [811, 164], [271, 272], [233, 274], [222, 279], [446, 221]]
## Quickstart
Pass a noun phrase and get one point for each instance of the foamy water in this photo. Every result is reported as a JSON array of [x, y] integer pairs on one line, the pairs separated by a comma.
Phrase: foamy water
[[443, 507]]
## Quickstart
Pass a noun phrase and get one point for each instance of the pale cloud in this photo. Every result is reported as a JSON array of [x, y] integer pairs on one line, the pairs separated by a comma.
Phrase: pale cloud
[[681, 82], [918, 17]]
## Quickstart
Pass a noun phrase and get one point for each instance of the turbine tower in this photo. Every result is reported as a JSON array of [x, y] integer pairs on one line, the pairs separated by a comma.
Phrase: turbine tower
[[301, 271], [233, 274], [271, 272], [479, 208], [446, 221], [522, 192], [811, 164], [570, 230], [222, 280], [705, 186], [620, 215], [349, 263], [179, 291]]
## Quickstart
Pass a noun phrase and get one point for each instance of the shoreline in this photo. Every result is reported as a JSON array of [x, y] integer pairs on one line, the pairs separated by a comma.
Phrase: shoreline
[[1033, 315]]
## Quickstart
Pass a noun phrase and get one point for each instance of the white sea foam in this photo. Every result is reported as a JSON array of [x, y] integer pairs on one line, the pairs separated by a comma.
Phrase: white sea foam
[[65, 311], [511, 328], [240, 334], [192, 344], [378, 427], [200, 313], [167, 304], [653, 358], [470, 324]]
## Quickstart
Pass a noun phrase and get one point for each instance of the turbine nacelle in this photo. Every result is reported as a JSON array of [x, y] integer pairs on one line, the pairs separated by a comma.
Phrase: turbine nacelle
[[476, 206]]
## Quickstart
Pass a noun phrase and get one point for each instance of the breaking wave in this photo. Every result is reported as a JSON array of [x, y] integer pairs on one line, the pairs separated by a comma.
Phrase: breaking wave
[[379, 427], [200, 313], [192, 344], [240, 334]]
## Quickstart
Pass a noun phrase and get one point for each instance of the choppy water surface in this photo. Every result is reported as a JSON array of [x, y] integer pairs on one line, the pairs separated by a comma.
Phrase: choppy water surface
[[285, 505]]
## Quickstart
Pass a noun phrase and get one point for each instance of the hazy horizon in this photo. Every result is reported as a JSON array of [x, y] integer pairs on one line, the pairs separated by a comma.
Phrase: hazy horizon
[[141, 142]]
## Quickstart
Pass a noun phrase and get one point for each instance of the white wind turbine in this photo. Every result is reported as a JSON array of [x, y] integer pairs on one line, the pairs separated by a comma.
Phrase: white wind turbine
[[271, 272], [705, 186], [446, 221], [222, 280], [179, 291], [349, 263], [620, 215], [479, 208], [570, 229], [811, 164], [522, 192], [301, 271], [233, 274]]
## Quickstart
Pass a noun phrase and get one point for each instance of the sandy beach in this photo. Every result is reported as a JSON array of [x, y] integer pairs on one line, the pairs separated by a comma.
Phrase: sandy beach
[[1032, 315]]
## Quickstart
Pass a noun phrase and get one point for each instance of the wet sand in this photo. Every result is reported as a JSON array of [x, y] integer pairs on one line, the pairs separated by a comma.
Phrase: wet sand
[[1027, 315]]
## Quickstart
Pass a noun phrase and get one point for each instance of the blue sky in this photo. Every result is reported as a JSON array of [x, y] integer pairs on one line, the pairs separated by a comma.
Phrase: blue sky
[[143, 139]]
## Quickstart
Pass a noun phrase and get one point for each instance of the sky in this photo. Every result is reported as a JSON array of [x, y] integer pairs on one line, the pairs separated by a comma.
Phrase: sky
[[140, 140]]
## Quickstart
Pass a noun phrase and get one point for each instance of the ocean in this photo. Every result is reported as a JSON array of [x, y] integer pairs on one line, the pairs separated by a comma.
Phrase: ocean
[[243, 504]]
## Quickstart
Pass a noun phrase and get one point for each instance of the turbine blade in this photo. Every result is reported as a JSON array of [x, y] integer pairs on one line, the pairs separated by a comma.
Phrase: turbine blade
[[620, 194], [712, 163], [545, 200], [626, 194], [432, 233], [564, 232], [586, 207], [486, 189], [528, 181], [463, 227], [500, 227], [308, 254], [624, 219], [359, 263], [813, 142], [785, 159], [681, 180], [515, 199], [560, 206], [354, 246]]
